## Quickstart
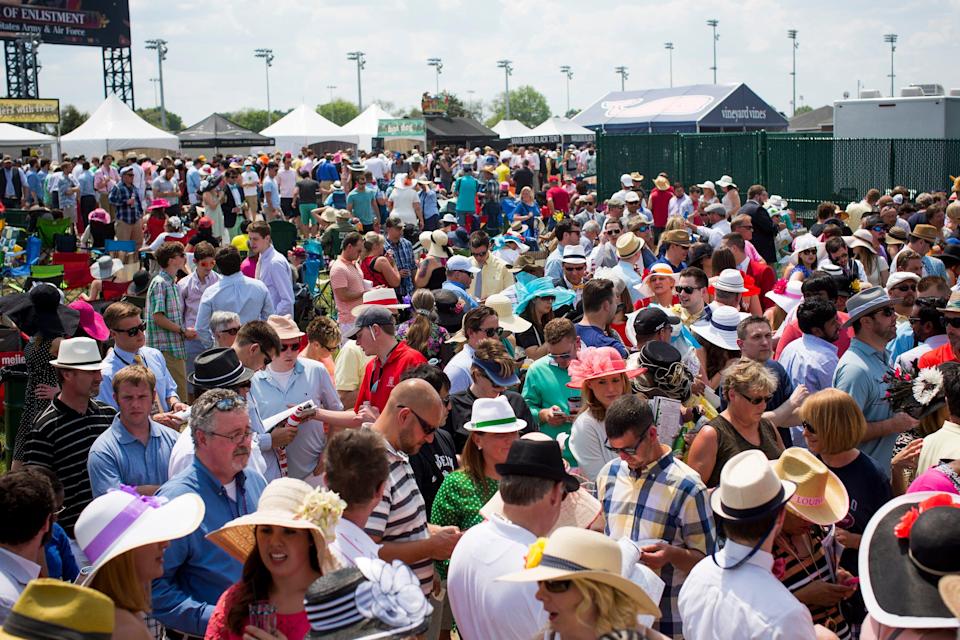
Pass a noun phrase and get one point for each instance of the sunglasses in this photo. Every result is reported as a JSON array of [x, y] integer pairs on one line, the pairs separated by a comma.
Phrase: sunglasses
[[808, 252], [576, 268], [630, 451], [879, 229], [612, 232], [232, 331], [755, 401], [808, 427], [426, 428], [289, 347], [904, 288], [557, 586], [643, 228], [562, 356], [952, 322], [493, 331], [479, 254], [686, 290], [132, 331], [886, 312]]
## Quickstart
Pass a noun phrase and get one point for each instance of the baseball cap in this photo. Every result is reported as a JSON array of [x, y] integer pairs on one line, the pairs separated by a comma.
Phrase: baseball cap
[[650, 320], [461, 263], [368, 317], [633, 196], [626, 180]]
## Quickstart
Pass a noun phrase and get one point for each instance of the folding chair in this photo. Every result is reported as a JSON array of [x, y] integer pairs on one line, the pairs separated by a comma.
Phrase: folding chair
[[114, 290], [76, 278], [284, 235], [119, 246], [311, 269], [52, 273], [49, 229], [17, 218], [67, 257]]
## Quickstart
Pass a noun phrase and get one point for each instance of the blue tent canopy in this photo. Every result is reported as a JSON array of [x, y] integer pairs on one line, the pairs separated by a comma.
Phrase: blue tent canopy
[[690, 109]]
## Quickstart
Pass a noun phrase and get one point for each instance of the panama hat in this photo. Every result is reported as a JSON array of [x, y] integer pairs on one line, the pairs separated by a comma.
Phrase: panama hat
[[598, 362], [288, 503], [867, 301], [897, 234], [786, 294], [508, 319], [574, 254], [122, 520], [285, 327], [721, 328], [628, 244], [909, 543], [327, 214], [949, 588], [749, 488], [805, 242], [726, 181], [660, 269], [50, 608], [661, 183], [106, 267], [863, 238], [821, 497], [494, 415], [729, 280], [218, 368], [953, 304], [525, 261], [381, 297], [438, 244], [571, 552], [78, 353]]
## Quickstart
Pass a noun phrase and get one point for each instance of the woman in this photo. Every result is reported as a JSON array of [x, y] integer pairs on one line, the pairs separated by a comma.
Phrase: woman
[[172, 230], [526, 213], [621, 294], [875, 266], [894, 241], [657, 287], [432, 272], [536, 301], [283, 548], [98, 231], [124, 535], [211, 197], [807, 254], [731, 196], [719, 342], [786, 296], [105, 270], [809, 569], [377, 267], [747, 387], [323, 340], [603, 377], [708, 195], [580, 581], [492, 428], [700, 255], [422, 331]]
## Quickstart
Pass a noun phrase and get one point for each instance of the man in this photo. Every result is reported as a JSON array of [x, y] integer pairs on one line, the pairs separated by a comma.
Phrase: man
[[346, 279], [558, 200], [399, 522], [249, 180], [545, 385], [819, 285], [762, 274], [605, 253], [736, 595], [191, 290], [326, 172], [674, 245], [271, 193], [626, 185], [589, 212], [533, 483], [862, 368], [929, 331], [648, 494], [944, 443], [691, 290], [129, 347], [465, 191], [629, 254], [166, 330], [375, 332], [812, 360], [273, 270], [743, 225], [950, 257], [599, 310], [194, 178], [717, 225], [523, 177], [13, 185], [402, 255], [615, 206], [233, 291], [27, 512], [63, 433], [460, 276], [902, 289], [947, 352], [128, 208], [104, 180], [764, 228], [234, 205], [287, 186], [494, 275], [680, 204], [135, 450], [196, 572], [478, 324], [653, 324], [67, 187], [567, 233], [921, 240], [165, 186], [634, 210]]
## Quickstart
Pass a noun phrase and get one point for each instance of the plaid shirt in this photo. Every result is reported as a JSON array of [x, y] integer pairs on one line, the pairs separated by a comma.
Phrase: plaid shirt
[[119, 196], [163, 296], [403, 256], [667, 501]]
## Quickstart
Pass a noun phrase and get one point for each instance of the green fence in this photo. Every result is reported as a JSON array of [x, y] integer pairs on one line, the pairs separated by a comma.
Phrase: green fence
[[804, 169]]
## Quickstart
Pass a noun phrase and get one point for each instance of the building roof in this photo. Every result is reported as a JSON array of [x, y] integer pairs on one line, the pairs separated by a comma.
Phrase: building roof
[[459, 128], [817, 120], [216, 131]]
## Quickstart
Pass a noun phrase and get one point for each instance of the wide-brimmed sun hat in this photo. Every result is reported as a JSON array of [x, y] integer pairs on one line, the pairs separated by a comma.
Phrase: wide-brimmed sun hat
[[660, 269], [50, 608], [786, 294], [106, 267], [906, 548], [661, 183], [494, 415], [288, 503], [867, 301], [598, 362], [122, 520], [285, 327], [381, 297], [821, 497], [805, 242], [571, 552], [99, 215], [749, 488], [721, 328], [158, 203], [541, 288], [726, 181], [508, 319], [91, 322], [438, 244], [708, 184]]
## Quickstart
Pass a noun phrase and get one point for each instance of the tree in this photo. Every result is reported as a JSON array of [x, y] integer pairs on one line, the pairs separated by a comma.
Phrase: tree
[[804, 108], [71, 118], [570, 113], [388, 106], [457, 108], [152, 115], [527, 105], [339, 111], [254, 119]]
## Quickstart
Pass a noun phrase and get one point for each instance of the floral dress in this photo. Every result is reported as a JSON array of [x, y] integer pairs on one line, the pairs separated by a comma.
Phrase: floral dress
[[438, 336]]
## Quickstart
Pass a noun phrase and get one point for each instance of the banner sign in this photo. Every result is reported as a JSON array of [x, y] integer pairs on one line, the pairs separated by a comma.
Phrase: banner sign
[[19, 111], [95, 23], [402, 128]]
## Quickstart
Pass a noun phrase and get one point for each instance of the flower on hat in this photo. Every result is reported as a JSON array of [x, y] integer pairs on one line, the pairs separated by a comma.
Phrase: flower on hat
[[780, 286], [535, 554], [323, 508], [596, 362], [558, 216], [905, 525], [927, 385], [391, 594]]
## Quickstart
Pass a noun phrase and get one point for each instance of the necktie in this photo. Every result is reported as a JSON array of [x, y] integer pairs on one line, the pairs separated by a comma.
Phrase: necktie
[[478, 285]]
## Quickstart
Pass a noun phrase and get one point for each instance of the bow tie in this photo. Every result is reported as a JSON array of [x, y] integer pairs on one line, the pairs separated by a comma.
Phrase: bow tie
[[577, 287]]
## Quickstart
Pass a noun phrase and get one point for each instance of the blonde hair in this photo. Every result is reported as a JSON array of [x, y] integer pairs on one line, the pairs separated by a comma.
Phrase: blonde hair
[[590, 402], [614, 609], [837, 419], [747, 375], [371, 240], [119, 581]]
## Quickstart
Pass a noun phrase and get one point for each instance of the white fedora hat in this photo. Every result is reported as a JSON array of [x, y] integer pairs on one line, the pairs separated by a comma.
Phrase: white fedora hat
[[79, 353], [731, 281], [788, 299], [574, 254], [381, 297], [123, 520], [749, 488], [494, 415], [721, 329]]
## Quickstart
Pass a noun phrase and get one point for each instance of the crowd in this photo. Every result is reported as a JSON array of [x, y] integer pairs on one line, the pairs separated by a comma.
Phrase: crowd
[[461, 394]]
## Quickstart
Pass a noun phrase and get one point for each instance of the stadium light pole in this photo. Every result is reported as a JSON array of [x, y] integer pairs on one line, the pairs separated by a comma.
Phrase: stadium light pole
[[361, 63], [568, 72], [891, 39], [792, 34], [669, 47], [267, 55], [331, 87], [507, 70], [156, 95], [623, 76], [160, 46], [437, 63], [713, 25]]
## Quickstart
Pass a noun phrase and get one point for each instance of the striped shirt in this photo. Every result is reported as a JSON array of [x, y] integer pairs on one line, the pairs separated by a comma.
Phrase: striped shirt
[[60, 440], [664, 501], [401, 515]]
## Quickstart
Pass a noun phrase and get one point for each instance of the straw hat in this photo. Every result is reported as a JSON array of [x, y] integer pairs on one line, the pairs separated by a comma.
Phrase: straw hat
[[820, 498], [721, 329], [82, 354], [106, 267], [494, 415], [327, 214], [508, 319], [628, 244], [789, 296], [527, 260], [949, 588], [574, 254], [749, 488], [676, 236], [953, 304], [122, 520], [570, 552], [897, 234], [863, 238], [285, 327], [381, 297], [598, 362], [662, 183], [343, 214], [438, 244], [289, 503], [50, 608]]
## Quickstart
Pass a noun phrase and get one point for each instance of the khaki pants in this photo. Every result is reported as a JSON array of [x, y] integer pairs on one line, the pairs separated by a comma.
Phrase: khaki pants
[[130, 232], [178, 370]]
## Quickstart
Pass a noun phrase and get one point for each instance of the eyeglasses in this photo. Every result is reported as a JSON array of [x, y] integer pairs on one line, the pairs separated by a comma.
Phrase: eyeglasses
[[132, 331], [808, 427], [563, 356], [755, 401], [491, 332], [289, 347], [686, 290], [426, 428], [904, 288], [952, 322], [556, 586], [744, 228], [236, 438], [232, 331], [479, 254]]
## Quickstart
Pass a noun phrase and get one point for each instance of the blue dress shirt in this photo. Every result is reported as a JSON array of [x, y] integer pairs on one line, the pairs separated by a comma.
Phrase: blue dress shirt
[[246, 297], [117, 457], [273, 270], [461, 292], [117, 359]]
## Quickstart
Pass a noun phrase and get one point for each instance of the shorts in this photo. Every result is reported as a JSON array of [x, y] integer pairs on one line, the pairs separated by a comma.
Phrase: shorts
[[305, 210], [286, 206]]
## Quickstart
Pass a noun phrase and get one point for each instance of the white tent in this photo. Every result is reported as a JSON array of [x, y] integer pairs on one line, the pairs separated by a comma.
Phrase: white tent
[[115, 127], [366, 125], [556, 129], [303, 127], [14, 136], [511, 129]]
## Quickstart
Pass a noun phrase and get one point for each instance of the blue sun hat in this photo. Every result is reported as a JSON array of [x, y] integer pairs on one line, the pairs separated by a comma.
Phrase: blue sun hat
[[542, 288]]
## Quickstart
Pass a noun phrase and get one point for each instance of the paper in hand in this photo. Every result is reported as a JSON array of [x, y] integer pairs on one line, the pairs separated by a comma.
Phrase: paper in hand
[[666, 417], [274, 420]]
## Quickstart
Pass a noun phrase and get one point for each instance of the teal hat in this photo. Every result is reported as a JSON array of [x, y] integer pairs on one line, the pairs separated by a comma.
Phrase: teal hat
[[541, 288]]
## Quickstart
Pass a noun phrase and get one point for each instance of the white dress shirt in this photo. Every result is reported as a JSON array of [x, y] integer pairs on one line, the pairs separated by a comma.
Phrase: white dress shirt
[[905, 361], [810, 361], [15, 572], [273, 270], [715, 233], [351, 543]]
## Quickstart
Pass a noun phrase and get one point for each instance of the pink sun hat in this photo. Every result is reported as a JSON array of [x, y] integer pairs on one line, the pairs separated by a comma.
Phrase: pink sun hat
[[91, 322], [598, 362]]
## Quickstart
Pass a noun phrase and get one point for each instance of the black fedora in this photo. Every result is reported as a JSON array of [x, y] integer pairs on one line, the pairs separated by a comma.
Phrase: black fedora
[[538, 459], [219, 368], [950, 255]]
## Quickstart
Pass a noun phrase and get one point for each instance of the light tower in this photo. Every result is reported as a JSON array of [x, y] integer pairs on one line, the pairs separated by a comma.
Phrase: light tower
[[792, 34], [568, 73], [437, 63], [891, 38], [507, 71], [623, 76], [161, 48], [716, 36], [267, 55], [669, 47], [361, 63]]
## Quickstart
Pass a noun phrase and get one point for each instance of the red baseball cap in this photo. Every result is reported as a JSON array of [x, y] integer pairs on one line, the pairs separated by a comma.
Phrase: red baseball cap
[[203, 222]]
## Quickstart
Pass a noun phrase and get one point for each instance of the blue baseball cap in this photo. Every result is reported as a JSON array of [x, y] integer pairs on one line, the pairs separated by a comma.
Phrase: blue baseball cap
[[492, 371]]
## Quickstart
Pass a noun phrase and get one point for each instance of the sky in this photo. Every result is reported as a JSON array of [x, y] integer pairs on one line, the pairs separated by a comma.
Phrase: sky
[[211, 67]]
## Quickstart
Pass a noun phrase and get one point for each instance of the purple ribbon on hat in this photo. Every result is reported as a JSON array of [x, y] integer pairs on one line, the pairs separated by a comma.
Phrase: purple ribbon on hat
[[121, 522]]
